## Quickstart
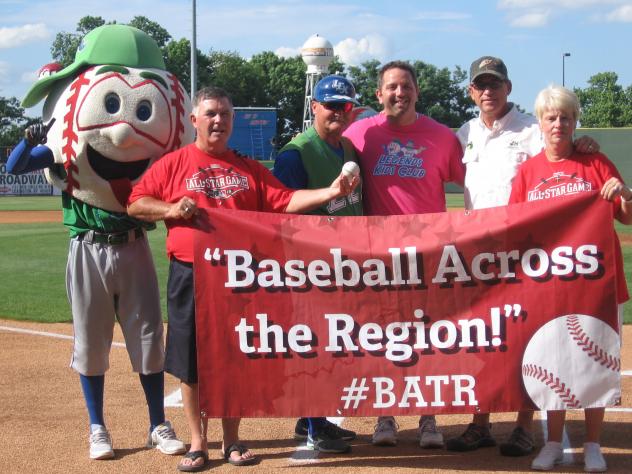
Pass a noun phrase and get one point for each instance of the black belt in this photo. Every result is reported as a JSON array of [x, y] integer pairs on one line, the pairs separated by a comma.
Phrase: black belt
[[115, 238]]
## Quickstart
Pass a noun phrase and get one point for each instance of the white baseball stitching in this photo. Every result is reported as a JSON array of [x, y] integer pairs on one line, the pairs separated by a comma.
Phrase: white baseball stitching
[[554, 383], [589, 346]]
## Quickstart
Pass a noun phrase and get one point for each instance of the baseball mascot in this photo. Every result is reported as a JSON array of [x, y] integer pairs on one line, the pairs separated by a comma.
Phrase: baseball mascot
[[107, 117]]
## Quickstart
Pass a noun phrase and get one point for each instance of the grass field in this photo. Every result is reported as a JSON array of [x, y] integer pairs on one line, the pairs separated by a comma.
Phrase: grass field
[[33, 262]]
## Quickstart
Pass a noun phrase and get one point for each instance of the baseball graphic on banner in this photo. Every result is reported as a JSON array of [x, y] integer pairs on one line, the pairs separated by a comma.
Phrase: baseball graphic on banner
[[569, 360]]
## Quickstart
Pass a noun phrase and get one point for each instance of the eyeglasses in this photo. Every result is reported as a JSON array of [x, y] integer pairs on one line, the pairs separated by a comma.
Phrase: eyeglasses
[[491, 85], [337, 106]]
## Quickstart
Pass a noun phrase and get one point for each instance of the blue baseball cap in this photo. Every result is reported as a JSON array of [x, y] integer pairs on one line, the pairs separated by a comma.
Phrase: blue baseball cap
[[335, 89]]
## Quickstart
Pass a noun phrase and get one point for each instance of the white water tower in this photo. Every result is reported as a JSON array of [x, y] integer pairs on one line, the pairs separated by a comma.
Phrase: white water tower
[[317, 53]]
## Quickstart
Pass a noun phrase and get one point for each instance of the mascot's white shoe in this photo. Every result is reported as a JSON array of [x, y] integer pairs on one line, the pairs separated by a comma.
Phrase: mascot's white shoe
[[164, 439], [100, 443]]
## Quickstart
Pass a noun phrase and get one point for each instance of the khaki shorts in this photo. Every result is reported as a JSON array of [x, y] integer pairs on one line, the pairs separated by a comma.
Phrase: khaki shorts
[[114, 282]]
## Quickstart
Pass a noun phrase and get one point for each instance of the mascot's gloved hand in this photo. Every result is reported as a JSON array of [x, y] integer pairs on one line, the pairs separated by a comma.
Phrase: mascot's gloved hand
[[36, 134]]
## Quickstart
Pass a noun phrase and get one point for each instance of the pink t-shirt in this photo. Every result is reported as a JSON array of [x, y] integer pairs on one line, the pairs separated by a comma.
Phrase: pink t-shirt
[[404, 168]]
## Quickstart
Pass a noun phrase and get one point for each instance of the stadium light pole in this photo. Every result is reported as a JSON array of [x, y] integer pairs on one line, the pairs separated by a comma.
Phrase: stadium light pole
[[193, 55], [564, 56]]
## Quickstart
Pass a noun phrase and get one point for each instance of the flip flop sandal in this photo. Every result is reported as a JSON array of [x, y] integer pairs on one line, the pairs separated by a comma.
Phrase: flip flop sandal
[[194, 456], [241, 449]]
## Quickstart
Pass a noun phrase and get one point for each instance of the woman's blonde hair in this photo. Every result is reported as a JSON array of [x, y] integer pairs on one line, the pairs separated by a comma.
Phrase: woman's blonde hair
[[557, 98]]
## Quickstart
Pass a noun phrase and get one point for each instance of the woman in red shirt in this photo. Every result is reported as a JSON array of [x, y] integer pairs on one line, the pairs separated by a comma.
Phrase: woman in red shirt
[[545, 176]]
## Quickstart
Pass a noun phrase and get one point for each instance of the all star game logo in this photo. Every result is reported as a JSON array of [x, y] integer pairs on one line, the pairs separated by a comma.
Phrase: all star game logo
[[217, 182], [559, 184]]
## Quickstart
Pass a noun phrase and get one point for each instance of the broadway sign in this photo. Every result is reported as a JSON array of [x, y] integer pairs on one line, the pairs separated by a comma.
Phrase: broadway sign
[[460, 312]]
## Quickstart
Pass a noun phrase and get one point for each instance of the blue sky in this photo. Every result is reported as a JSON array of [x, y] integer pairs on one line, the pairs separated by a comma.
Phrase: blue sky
[[530, 35]]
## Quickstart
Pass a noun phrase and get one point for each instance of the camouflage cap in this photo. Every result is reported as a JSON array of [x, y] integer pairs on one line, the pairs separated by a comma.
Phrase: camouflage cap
[[120, 45], [488, 65]]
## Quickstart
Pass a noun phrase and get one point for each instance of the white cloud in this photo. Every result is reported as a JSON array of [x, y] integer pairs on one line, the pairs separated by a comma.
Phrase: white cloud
[[530, 20], [287, 52], [354, 52], [531, 13], [19, 35], [622, 14]]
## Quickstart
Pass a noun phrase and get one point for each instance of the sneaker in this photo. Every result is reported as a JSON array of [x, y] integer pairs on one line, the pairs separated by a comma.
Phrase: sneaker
[[300, 430], [100, 443], [323, 443], [593, 459], [336, 432], [429, 436], [520, 443], [163, 437], [385, 432], [474, 437], [550, 455], [333, 431]]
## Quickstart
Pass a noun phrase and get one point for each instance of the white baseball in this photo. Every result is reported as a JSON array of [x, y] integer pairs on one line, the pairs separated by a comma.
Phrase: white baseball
[[350, 169], [572, 362]]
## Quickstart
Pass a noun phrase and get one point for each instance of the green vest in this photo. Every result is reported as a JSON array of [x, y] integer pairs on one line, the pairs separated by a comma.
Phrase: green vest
[[323, 165], [80, 217]]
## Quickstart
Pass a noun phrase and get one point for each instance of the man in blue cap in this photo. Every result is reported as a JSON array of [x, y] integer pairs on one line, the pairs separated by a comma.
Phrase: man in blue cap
[[310, 161]]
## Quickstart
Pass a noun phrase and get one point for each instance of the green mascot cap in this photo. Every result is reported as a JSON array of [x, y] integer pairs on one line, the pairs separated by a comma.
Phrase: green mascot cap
[[119, 45]]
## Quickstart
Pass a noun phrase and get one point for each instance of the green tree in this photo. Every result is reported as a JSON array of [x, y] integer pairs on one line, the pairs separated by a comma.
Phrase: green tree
[[12, 121], [283, 81], [442, 95], [177, 55], [241, 78], [337, 66], [605, 103], [364, 79]]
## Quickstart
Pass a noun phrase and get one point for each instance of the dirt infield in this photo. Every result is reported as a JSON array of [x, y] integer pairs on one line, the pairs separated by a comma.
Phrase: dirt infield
[[21, 217], [43, 423]]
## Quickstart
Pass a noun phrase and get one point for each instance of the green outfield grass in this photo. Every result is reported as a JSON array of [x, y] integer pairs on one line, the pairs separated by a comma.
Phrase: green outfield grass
[[33, 263], [30, 203]]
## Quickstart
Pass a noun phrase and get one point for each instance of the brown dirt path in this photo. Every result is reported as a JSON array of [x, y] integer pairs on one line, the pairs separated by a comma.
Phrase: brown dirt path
[[43, 423], [20, 217]]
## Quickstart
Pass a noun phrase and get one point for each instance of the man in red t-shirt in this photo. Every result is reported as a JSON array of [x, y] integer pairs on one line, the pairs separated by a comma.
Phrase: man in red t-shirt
[[207, 174]]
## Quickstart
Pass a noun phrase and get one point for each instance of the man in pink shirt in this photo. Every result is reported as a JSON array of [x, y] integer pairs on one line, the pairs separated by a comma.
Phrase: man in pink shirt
[[405, 156], [405, 159]]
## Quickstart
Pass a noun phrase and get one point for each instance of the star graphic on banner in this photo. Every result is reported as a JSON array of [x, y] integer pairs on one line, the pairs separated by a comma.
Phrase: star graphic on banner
[[286, 230], [415, 227], [449, 235], [486, 243]]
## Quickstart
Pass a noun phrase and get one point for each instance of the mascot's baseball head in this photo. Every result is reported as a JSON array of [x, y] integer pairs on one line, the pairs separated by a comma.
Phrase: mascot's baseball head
[[116, 111]]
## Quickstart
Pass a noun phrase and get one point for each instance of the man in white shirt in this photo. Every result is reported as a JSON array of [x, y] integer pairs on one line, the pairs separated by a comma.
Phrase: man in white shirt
[[494, 145]]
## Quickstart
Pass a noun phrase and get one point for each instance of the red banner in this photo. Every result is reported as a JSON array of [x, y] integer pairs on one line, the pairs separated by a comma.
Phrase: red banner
[[473, 311]]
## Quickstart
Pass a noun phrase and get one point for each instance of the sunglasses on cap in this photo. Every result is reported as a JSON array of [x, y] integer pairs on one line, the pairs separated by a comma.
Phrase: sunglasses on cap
[[337, 106]]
